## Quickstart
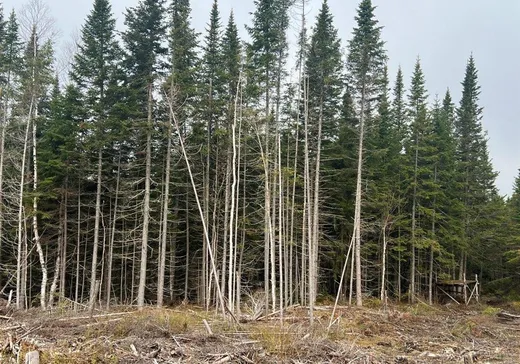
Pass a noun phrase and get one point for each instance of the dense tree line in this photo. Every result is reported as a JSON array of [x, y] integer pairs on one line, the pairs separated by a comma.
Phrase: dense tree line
[[201, 167]]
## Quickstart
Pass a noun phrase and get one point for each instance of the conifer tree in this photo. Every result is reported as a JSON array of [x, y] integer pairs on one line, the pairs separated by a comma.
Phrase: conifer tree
[[365, 66], [10, 59], [267, 54], [420, 174], [513, 253], [211, 109], [323, 70], [183, 51], [475, 175], [400, 127], [145, 63], [92, 71]]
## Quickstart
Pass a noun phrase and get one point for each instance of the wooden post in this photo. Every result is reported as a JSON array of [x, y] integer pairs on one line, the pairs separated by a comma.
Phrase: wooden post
[[464, 289], [476, 288]]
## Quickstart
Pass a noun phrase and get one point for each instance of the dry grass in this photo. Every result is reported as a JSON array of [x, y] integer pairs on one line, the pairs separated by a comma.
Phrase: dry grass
[[418, 333]]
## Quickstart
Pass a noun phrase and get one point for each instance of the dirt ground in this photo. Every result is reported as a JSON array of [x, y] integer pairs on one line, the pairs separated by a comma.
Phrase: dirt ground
[[398, 334]]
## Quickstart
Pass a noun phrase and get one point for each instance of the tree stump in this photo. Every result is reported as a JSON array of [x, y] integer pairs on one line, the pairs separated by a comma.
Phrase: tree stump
[[32, 357]]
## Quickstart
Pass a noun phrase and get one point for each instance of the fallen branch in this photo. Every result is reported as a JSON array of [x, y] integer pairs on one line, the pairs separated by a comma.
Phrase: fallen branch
[[508, 316], [9, 328], [95, 316]]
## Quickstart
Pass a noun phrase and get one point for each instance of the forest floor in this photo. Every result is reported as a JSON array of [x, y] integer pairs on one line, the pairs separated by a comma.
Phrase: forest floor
[[188, 334]]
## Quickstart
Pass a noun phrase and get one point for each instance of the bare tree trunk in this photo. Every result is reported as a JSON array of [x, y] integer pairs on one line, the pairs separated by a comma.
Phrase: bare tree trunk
[[227, 197], [357, 213], [113, 236], [64, 240], [383, 264], [54, 285], [78, 251], [22, 253], [313, 247], [307, 204], [97, 219], [414, 213], [232, 248], [164, 230], [187, 265], [36, 234], [146, 205], [3, 126], [430, 278], [338, 294]]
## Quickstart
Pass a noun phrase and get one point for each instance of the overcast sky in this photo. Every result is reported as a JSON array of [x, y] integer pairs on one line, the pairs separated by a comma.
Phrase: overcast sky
[[443, 33]]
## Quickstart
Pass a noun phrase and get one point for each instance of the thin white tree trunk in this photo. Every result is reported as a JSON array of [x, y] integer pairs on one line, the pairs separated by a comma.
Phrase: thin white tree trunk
[[430, 278], [54, 284], [146, 205], [64, 240], [231, 244], [36, 233], [97, 219], [314, 246], [357, 212], [164, 230], [22, 253], [78, 251], [343, 271], [383, 264], [113, 236], [5, 118]]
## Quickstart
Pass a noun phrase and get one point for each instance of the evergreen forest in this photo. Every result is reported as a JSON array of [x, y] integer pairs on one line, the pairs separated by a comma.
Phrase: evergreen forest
[[172, 166]]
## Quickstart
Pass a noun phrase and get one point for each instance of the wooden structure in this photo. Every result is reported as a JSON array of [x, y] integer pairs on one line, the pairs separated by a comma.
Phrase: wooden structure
[[458, 291]]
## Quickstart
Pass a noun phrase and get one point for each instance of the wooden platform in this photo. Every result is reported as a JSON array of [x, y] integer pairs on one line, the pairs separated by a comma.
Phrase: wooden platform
[[459, 291]]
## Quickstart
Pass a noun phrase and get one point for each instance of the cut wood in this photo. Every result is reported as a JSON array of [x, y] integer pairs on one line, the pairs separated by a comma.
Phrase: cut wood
[[32, 357], [508, 316], [208, 328], [134, 350], [95, 316]]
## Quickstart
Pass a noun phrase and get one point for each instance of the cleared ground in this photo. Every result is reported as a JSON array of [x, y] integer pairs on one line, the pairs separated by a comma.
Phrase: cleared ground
[[399, 334]]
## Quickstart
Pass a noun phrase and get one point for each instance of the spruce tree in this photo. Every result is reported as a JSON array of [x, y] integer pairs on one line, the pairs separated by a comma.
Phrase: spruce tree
[[365, 66], [475, 175], [145, 63], [323, 70], [92, 71], [513, 248], [400, 128], [420, 174], [10, 59], [232, 55], [266, 56], [183, 52]]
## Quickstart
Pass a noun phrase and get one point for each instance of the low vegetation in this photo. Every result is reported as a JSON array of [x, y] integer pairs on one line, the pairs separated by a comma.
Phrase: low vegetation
[[400, 334]]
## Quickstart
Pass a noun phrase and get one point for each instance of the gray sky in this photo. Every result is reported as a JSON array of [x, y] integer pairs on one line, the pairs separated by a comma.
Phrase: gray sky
[[443, 33]]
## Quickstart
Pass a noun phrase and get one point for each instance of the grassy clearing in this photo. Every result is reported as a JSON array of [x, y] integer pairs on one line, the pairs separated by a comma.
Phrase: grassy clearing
[[179, 335]]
